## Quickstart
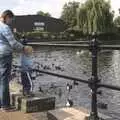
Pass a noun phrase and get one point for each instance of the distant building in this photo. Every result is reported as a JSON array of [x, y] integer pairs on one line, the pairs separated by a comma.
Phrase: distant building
[[30, 23]]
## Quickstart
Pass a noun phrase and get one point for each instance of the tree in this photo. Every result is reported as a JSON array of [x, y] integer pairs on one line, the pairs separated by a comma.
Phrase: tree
[[97, 16], [91, 16], [69, 13], [43, 13], [82, 19], [117, 21]]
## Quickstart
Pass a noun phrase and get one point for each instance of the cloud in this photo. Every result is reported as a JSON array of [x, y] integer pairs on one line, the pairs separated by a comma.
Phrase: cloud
[[7, 4], [115, 6], [54, 7]]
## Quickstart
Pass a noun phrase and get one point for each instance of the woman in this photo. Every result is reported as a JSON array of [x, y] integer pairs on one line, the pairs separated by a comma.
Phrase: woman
[[7, 45]]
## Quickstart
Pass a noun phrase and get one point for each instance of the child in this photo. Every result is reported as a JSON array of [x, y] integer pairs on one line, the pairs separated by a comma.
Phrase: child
[[26, 65]]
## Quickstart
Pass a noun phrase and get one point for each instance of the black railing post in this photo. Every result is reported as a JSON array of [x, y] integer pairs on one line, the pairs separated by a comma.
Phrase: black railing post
[[94, 79]]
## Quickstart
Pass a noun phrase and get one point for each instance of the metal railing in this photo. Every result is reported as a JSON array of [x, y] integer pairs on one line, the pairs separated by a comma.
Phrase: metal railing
[[94, 82]]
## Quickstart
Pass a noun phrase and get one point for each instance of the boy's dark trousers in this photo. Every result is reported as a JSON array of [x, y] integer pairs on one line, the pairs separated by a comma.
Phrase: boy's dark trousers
[[26, 82]]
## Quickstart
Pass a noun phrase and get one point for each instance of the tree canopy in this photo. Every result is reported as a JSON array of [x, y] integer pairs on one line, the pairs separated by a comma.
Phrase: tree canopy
[[43, 13], [69, 13], [117, 21], [91, 16]]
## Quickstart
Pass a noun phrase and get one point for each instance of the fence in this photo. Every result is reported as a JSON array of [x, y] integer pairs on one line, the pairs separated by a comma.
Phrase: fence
[[94, 82]]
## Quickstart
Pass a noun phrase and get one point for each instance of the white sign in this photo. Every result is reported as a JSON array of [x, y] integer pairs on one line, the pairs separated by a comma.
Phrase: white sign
[[39, 24]]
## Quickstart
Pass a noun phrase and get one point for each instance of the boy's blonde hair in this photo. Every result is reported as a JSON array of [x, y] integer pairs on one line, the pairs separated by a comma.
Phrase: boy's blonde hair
[[29, 50]]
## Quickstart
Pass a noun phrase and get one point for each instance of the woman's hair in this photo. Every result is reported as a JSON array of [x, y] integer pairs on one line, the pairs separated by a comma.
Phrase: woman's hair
[[7, 13]]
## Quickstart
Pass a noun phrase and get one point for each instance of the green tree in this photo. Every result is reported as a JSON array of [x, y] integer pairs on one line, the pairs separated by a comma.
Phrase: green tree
[[117, 21], [95, 16], [69, 13], [43, 13], [91, 16]]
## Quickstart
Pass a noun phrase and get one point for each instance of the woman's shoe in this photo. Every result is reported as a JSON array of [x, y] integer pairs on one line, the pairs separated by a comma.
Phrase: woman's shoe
[[7, 109]]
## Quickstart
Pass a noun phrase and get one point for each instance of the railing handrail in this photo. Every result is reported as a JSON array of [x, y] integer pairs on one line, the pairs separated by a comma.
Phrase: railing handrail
[[78, 45], [113, 87]]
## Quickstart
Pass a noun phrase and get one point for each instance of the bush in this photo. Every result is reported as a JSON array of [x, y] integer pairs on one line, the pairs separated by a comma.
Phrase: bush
[[39, 35], [74, 33]]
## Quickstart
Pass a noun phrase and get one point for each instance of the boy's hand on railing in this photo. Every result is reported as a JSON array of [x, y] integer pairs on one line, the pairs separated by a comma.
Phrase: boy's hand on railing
[[28, 50]]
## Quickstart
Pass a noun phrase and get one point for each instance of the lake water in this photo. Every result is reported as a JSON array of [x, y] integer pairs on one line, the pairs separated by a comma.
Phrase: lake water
[[77, 63]]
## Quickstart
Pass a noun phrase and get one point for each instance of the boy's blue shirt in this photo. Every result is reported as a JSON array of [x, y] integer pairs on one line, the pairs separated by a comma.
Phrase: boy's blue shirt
[[26, 62]]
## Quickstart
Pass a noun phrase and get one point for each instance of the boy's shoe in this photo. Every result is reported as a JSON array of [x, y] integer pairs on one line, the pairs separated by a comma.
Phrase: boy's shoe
[[31, 94], [28, 94]]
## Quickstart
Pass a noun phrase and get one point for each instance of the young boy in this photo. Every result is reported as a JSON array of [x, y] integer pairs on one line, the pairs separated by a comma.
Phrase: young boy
[[26, 66]]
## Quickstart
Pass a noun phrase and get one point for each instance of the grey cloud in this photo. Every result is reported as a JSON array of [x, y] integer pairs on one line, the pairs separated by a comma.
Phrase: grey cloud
[[8, 4]]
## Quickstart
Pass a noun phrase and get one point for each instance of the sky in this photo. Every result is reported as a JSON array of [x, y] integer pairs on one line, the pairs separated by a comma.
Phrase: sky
[[54, 7]]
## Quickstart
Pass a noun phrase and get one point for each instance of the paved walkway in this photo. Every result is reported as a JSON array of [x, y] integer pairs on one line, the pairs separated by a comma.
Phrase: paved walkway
[[17, 115]]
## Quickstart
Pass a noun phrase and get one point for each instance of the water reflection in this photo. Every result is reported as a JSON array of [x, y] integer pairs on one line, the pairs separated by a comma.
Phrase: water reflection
[[105, 70], [116, 66]]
